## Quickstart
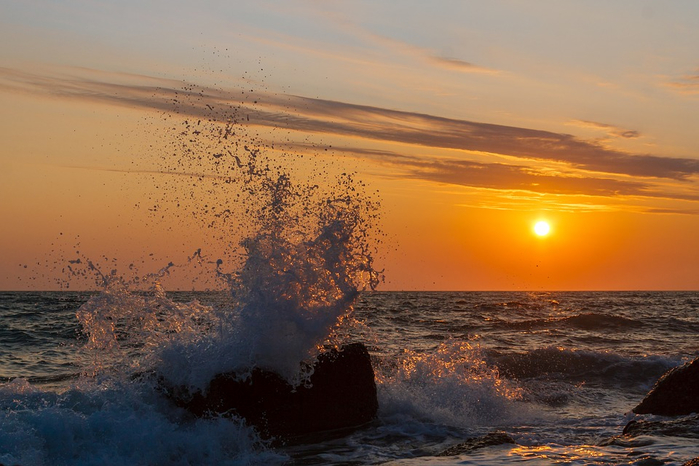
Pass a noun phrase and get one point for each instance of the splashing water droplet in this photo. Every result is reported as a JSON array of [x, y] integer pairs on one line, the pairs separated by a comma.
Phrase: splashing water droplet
[[303, 255]]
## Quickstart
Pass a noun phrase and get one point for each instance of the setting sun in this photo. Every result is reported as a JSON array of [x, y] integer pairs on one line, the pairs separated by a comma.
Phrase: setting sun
[[542, 228]]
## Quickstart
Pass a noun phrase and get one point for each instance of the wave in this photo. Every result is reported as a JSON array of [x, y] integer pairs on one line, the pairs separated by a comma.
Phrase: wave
[[595, 321], [54, 379], [451, 386], [587, 321], [582, 366]]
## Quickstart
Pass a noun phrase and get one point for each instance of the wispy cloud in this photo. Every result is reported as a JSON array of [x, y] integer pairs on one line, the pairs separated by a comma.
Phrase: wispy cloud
[[439, 132], [673, 211], [429, 56], [458, 65], [611, 130], [507, 177], [687, 84], [404, 48], [592, 169]]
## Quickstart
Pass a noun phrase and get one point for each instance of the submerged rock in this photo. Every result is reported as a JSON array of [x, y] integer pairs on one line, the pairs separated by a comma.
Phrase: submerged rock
[[687, 427], [341, 394], [491, 439], [676, 393]]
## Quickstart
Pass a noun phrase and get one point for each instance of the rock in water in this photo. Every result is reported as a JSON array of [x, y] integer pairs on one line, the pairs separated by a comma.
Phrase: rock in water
[[687, 426], [676, 393], [341, 394], [472, 444]]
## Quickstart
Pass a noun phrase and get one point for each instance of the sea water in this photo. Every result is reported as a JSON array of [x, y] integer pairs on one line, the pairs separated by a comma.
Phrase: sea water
[[558, 372]]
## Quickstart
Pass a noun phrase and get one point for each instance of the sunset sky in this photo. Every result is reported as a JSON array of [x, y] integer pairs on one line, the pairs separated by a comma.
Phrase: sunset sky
[[472, 119]]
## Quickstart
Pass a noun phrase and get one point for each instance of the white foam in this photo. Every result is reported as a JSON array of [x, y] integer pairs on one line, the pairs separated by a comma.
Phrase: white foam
[[451, 386], [118, 425]]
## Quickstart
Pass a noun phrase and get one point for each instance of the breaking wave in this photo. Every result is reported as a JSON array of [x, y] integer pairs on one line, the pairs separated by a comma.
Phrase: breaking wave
[[453, 386]]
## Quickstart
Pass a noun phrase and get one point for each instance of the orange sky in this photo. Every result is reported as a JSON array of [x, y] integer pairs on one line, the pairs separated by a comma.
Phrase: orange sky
[[472, 122]]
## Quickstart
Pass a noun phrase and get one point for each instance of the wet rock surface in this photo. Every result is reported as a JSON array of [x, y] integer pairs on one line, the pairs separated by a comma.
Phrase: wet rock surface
[[676, 393], [340, 395], [687, 427]]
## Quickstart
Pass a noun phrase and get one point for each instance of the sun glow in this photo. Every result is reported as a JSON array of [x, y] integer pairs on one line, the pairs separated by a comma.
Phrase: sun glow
[[542, 228]]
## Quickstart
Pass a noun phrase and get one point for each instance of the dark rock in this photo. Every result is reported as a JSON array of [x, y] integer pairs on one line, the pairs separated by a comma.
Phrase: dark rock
[[341, 394], [472, 444], [676, 393], [687, 427]]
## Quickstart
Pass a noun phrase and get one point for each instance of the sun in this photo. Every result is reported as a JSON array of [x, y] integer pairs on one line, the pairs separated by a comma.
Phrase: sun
[[542, 228]]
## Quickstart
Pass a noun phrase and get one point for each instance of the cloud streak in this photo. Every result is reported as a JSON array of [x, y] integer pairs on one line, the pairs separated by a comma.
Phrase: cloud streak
[[457, 65], [405, 48], [598, 164], [507, 177], [611, 130], [438, 132], [688, 84], [430, 57]]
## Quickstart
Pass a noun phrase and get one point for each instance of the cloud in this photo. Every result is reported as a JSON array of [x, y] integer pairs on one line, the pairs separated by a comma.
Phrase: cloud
[[439, 132], [139, 171], [456, 64], [429, 56], [611, 130], [507, 177], [672, 211], [687, 84], [298, 113], [404, 48]]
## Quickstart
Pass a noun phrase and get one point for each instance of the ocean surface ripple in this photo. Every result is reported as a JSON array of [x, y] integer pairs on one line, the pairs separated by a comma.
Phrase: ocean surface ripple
[[559, 372]]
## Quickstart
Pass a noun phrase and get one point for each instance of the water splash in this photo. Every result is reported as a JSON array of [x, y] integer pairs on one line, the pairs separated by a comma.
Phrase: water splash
[[452, 385], [299, 280], [307, 250]]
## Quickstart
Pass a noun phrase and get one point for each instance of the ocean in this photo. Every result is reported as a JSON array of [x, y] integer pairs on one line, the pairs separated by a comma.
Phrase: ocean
[[558, 372]]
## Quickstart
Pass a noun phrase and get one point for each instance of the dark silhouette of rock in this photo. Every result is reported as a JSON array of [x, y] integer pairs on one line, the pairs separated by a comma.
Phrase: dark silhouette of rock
[[491, 439], [676, 393], [341, 394], [687, 427]]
